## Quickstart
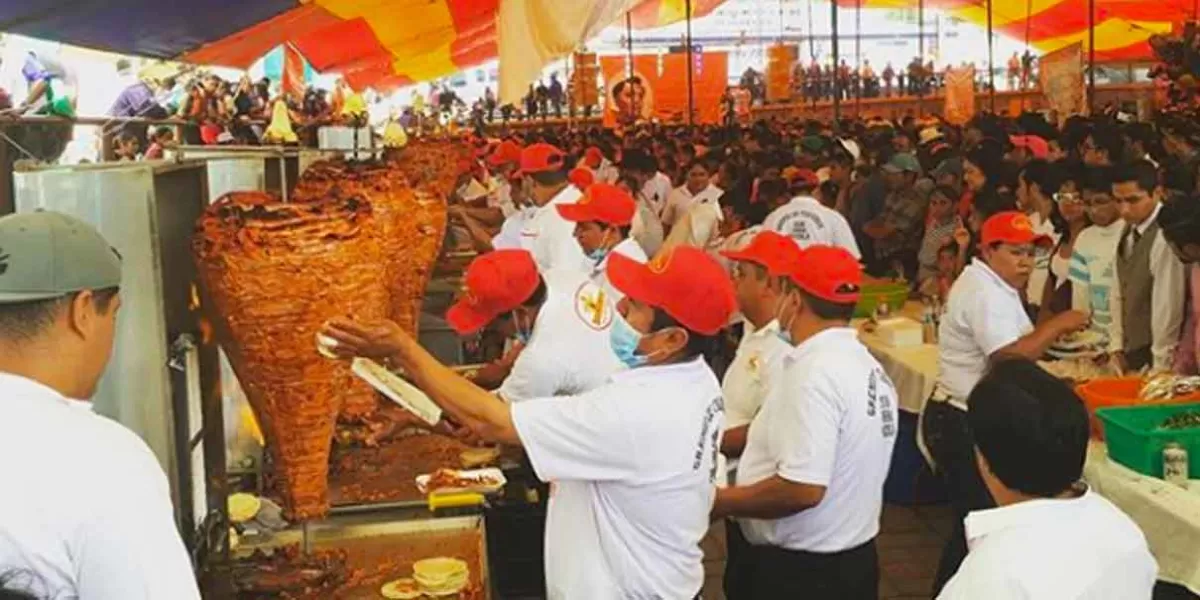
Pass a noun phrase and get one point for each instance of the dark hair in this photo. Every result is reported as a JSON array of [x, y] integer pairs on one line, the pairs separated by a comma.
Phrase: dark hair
[[948, 191], [25, 321], [1139, 171], [14, 585], [698, 344], [1030, 427], [549, 178], [538, 297], [753, 213], [950, 246], [826, 310], [992, 203], [1096, 179], [639, 161], [1180, 219], [1108, 139], [771, 189], [620, 87], [1039, 172], [699, 162]]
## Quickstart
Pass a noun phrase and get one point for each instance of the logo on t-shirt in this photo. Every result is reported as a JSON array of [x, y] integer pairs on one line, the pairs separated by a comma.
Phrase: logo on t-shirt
[[880, 394], [593, 306]]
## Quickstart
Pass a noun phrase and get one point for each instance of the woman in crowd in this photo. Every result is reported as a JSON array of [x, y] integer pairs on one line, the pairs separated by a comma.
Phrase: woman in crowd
[[939, 231], [1069, 217]]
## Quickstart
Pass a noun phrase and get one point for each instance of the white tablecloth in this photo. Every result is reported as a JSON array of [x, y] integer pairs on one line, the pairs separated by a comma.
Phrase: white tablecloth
[[1168, 515], [913, 369]]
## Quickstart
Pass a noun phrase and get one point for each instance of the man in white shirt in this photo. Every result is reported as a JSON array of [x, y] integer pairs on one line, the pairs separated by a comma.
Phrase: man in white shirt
[[1051, 538], [655, 185], [1093, 269], [633, 462], [87, 510], [602, 218], [602, 168], [809, 488], [985, 321], [559, 316], [549, 237], [759, 273], [697, 190], [809, 222], [1153, 280]]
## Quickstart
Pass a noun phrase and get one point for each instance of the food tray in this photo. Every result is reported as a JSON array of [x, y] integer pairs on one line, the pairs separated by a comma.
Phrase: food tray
[[1111, 392], [1135, 440], [376, 553], [491, 482], [874, 294]]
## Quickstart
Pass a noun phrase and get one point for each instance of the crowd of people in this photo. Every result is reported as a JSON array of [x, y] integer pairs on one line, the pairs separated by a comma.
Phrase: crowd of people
[[676, 306]]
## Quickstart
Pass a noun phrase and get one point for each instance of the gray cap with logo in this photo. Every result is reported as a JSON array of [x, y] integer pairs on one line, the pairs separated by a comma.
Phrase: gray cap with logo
[[46, 255]]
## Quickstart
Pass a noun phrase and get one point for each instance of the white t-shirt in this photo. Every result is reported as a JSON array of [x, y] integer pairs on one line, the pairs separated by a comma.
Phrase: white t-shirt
[[500, 196], [568, 351], [681, 200], [551, 238], [633, 465], [1080, 549], [509, 236], [1093, 274], [656, 191], [647, 229], [756, 368], [86, 507], [832, 423], [699, 228], [1041, 262], [810, 222], [983, 314]]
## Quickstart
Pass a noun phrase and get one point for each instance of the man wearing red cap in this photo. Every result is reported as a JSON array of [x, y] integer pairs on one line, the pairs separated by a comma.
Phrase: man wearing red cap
[[601, 167], [633, 462], [984, 321], [549, 237], [759, 273], [809, 222], [554, 314], [602, 219], [809, 490], [507, 207]]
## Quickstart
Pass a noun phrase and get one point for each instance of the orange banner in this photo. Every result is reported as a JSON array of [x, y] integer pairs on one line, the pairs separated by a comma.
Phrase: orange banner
[[1060, 74], [960, 95], [662, 94]]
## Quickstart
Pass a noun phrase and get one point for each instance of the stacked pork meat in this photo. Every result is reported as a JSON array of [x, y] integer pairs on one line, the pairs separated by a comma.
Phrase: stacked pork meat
[[358, 240]]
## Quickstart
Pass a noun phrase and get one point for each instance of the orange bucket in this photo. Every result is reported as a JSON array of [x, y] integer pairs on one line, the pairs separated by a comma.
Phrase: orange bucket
[[1118, 391]]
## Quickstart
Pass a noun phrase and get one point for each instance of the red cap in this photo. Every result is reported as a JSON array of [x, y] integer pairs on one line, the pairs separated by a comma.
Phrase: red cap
[[777, 252], [507, 152], [541, 158], [1011, 227], [602, 202], [796, 175], [496, 283], [592, 157], [581, 178], [685, 282], [829, 273], [1036, 145]]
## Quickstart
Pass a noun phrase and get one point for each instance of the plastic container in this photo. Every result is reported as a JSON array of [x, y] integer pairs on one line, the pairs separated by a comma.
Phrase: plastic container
[[874, 294], [1119, 391], [1135, 439]]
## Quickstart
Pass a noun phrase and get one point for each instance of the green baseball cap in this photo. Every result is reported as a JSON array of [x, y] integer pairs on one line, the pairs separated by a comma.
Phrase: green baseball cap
[[901, 162], [45, 255]]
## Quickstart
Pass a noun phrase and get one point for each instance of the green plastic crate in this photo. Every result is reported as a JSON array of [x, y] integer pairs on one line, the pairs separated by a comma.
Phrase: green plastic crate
[[892, 294], [1134, 439]]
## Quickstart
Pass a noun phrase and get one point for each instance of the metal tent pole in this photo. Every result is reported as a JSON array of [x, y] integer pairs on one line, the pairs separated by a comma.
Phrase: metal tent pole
[[921, 53], [835, 87], [991, 60], [691, 66], [629, 43], [1091, 84], [858, 89]]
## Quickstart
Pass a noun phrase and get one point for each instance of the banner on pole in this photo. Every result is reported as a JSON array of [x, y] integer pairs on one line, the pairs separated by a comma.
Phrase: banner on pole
[[1060, 75], [960, 95], [662, 94]]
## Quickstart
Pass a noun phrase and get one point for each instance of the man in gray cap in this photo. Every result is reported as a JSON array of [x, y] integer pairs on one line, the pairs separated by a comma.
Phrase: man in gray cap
[[896, 232], [86, 510]]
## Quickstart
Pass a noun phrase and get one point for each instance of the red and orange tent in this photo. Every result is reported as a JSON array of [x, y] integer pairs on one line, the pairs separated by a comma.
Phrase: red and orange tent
[[386, 43]]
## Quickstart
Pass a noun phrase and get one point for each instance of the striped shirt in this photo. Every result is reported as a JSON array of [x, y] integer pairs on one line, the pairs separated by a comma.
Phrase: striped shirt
[[1093, 273]]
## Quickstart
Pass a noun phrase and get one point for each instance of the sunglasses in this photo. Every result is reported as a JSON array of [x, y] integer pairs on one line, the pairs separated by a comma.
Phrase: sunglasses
[[1068, 198]]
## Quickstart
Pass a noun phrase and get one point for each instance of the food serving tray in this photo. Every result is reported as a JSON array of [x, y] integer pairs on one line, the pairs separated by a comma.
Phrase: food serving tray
[[481, 481], [369, 554]]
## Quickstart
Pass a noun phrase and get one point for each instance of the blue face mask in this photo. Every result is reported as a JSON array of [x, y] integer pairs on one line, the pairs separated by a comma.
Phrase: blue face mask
[[624, 340], [522, 334], [598, 255]]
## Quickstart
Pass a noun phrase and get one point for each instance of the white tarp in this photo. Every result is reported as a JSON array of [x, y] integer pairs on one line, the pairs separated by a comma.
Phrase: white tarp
[[535, 33]]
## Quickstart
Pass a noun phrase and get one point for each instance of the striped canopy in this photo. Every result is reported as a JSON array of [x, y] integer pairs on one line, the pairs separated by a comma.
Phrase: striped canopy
[[378, 43], [387, 43], [1122, 26]]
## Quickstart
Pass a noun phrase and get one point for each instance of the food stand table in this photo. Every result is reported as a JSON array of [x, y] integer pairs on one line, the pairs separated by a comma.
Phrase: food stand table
[[1168, 515], [912, 369]]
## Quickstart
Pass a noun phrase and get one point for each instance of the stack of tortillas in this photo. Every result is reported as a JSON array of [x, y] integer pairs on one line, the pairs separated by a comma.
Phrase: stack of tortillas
[[441, 576]]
